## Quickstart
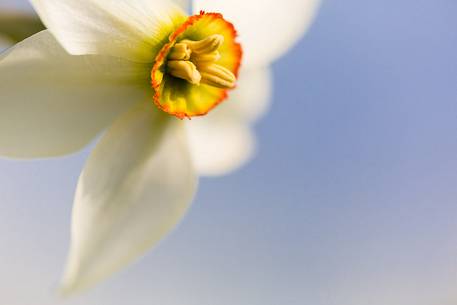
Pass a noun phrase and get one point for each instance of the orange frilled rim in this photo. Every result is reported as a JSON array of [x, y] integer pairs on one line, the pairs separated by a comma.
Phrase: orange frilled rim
[[180, 98]]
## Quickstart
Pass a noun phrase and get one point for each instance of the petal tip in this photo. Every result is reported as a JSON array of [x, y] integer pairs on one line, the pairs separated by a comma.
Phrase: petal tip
[[71, 284]]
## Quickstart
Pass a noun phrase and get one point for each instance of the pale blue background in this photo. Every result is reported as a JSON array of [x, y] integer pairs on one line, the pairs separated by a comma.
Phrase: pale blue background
[[352, 199]]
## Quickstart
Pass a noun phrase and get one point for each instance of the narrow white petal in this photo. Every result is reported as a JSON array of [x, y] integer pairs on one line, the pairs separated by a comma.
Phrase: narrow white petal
[[130, 29], [251, 99], [219, 144], [52, 103], [136, 186], [223, 140], [267, 28]]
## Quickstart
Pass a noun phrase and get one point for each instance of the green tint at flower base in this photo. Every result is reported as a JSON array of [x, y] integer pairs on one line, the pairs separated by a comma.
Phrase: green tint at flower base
[[194, 70]]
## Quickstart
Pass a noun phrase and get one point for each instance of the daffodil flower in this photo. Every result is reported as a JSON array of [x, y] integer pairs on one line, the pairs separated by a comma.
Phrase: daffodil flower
[[140, 69]]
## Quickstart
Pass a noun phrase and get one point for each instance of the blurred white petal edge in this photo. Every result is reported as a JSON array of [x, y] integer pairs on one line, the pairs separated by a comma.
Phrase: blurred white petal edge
[[267, 28], [220, 146], [252, 97]]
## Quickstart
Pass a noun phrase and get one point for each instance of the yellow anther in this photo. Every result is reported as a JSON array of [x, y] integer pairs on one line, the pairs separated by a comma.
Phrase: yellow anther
[[180, 51], [217, 76], [206, 57], [207, 45], [195, 61], [185, 70]]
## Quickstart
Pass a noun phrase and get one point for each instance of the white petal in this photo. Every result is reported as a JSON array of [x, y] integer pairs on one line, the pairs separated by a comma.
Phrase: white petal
[[251, 99], [130, 29], [53, 104], [136, 186], [184, 4], [267, 28], [223, 141], [219, 144]]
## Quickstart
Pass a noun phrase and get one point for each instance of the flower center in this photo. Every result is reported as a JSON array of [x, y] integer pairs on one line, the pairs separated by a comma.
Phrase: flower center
[[196, 62], [197, 66]]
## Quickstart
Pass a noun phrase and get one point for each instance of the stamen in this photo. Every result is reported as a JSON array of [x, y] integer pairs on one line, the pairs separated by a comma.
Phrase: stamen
[[180, 51], [185, 70], [217, 76], [210, 57], [196, 66], [195, 61], [207, 45]]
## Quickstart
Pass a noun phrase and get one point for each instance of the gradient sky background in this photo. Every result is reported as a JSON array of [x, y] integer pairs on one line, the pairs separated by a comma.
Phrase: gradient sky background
[[352, 199]]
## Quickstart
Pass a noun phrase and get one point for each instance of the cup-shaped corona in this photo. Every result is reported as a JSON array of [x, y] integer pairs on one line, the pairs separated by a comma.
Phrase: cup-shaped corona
[[194, 70]]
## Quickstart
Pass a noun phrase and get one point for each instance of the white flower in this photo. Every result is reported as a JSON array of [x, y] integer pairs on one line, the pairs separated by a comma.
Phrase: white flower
[[91, 71]]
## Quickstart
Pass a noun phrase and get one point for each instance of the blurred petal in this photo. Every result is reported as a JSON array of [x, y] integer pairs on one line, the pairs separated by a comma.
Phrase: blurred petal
[[5, 43], [131, 29], [18, 25], [252, 97], [223, 141], [135, 188], [219, 144], [267, 28], [184, 4], [54, 104]]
